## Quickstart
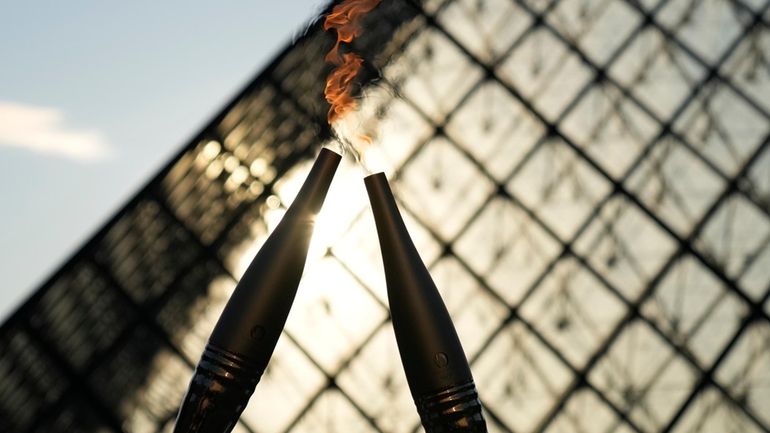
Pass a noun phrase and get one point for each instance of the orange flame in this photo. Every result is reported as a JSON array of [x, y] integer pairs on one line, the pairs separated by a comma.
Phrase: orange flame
[[345, 18], [337, 90]]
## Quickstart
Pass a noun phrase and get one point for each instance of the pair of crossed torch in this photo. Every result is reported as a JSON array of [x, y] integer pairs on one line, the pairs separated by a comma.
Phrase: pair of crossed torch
[[245, 336]]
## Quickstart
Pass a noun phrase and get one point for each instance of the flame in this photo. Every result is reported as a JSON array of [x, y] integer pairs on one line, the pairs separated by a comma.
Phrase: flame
[[345, 18], [337, 90]]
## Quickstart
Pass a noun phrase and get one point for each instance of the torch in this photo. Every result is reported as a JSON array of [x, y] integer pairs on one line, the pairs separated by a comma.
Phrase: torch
[[437, 371], [436, 368], [246, 333]]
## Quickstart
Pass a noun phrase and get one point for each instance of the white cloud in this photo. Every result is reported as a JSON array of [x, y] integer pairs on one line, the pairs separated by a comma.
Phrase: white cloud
[[43, 130]]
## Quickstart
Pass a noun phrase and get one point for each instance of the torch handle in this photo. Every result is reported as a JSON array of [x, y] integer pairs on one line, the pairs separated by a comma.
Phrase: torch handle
[[218, 393], [456, 409]]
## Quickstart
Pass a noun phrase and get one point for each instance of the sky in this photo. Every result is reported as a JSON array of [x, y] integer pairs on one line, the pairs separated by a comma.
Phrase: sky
[[95, 97]]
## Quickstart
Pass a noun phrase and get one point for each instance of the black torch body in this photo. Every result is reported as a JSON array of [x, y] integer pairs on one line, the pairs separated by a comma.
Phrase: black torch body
[[436, 368], [247, 331]]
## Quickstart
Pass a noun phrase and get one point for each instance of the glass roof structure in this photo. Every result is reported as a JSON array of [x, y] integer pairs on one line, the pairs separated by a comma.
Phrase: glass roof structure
[[588, 181]]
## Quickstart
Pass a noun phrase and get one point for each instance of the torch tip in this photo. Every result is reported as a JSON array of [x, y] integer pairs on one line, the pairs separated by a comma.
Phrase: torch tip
[[376, 179], [328, 153]]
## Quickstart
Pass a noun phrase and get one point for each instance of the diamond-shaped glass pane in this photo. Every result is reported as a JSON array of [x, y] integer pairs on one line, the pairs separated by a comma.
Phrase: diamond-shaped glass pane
[[495, 128], [641, 374], [610, 128], [573, 311], [375, 380], [520, 378], [598, 27], [675, 185], [487, 28], [658, 73], [694, 309], [443, 187], [332, 314], [550, 81], [507, 248], [723, 127], [560, 187], [735, 235], [625, 246], [433, 74], [693, 23]]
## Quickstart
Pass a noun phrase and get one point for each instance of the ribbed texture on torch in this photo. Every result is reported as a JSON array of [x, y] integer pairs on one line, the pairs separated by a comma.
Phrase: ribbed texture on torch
[[248, 329], [434, 362]]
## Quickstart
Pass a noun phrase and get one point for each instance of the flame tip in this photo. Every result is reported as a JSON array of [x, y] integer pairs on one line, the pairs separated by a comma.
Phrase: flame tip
[[345, 19]]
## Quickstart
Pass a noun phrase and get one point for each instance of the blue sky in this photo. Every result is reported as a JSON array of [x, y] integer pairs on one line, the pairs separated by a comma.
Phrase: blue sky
[[96, 96]]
